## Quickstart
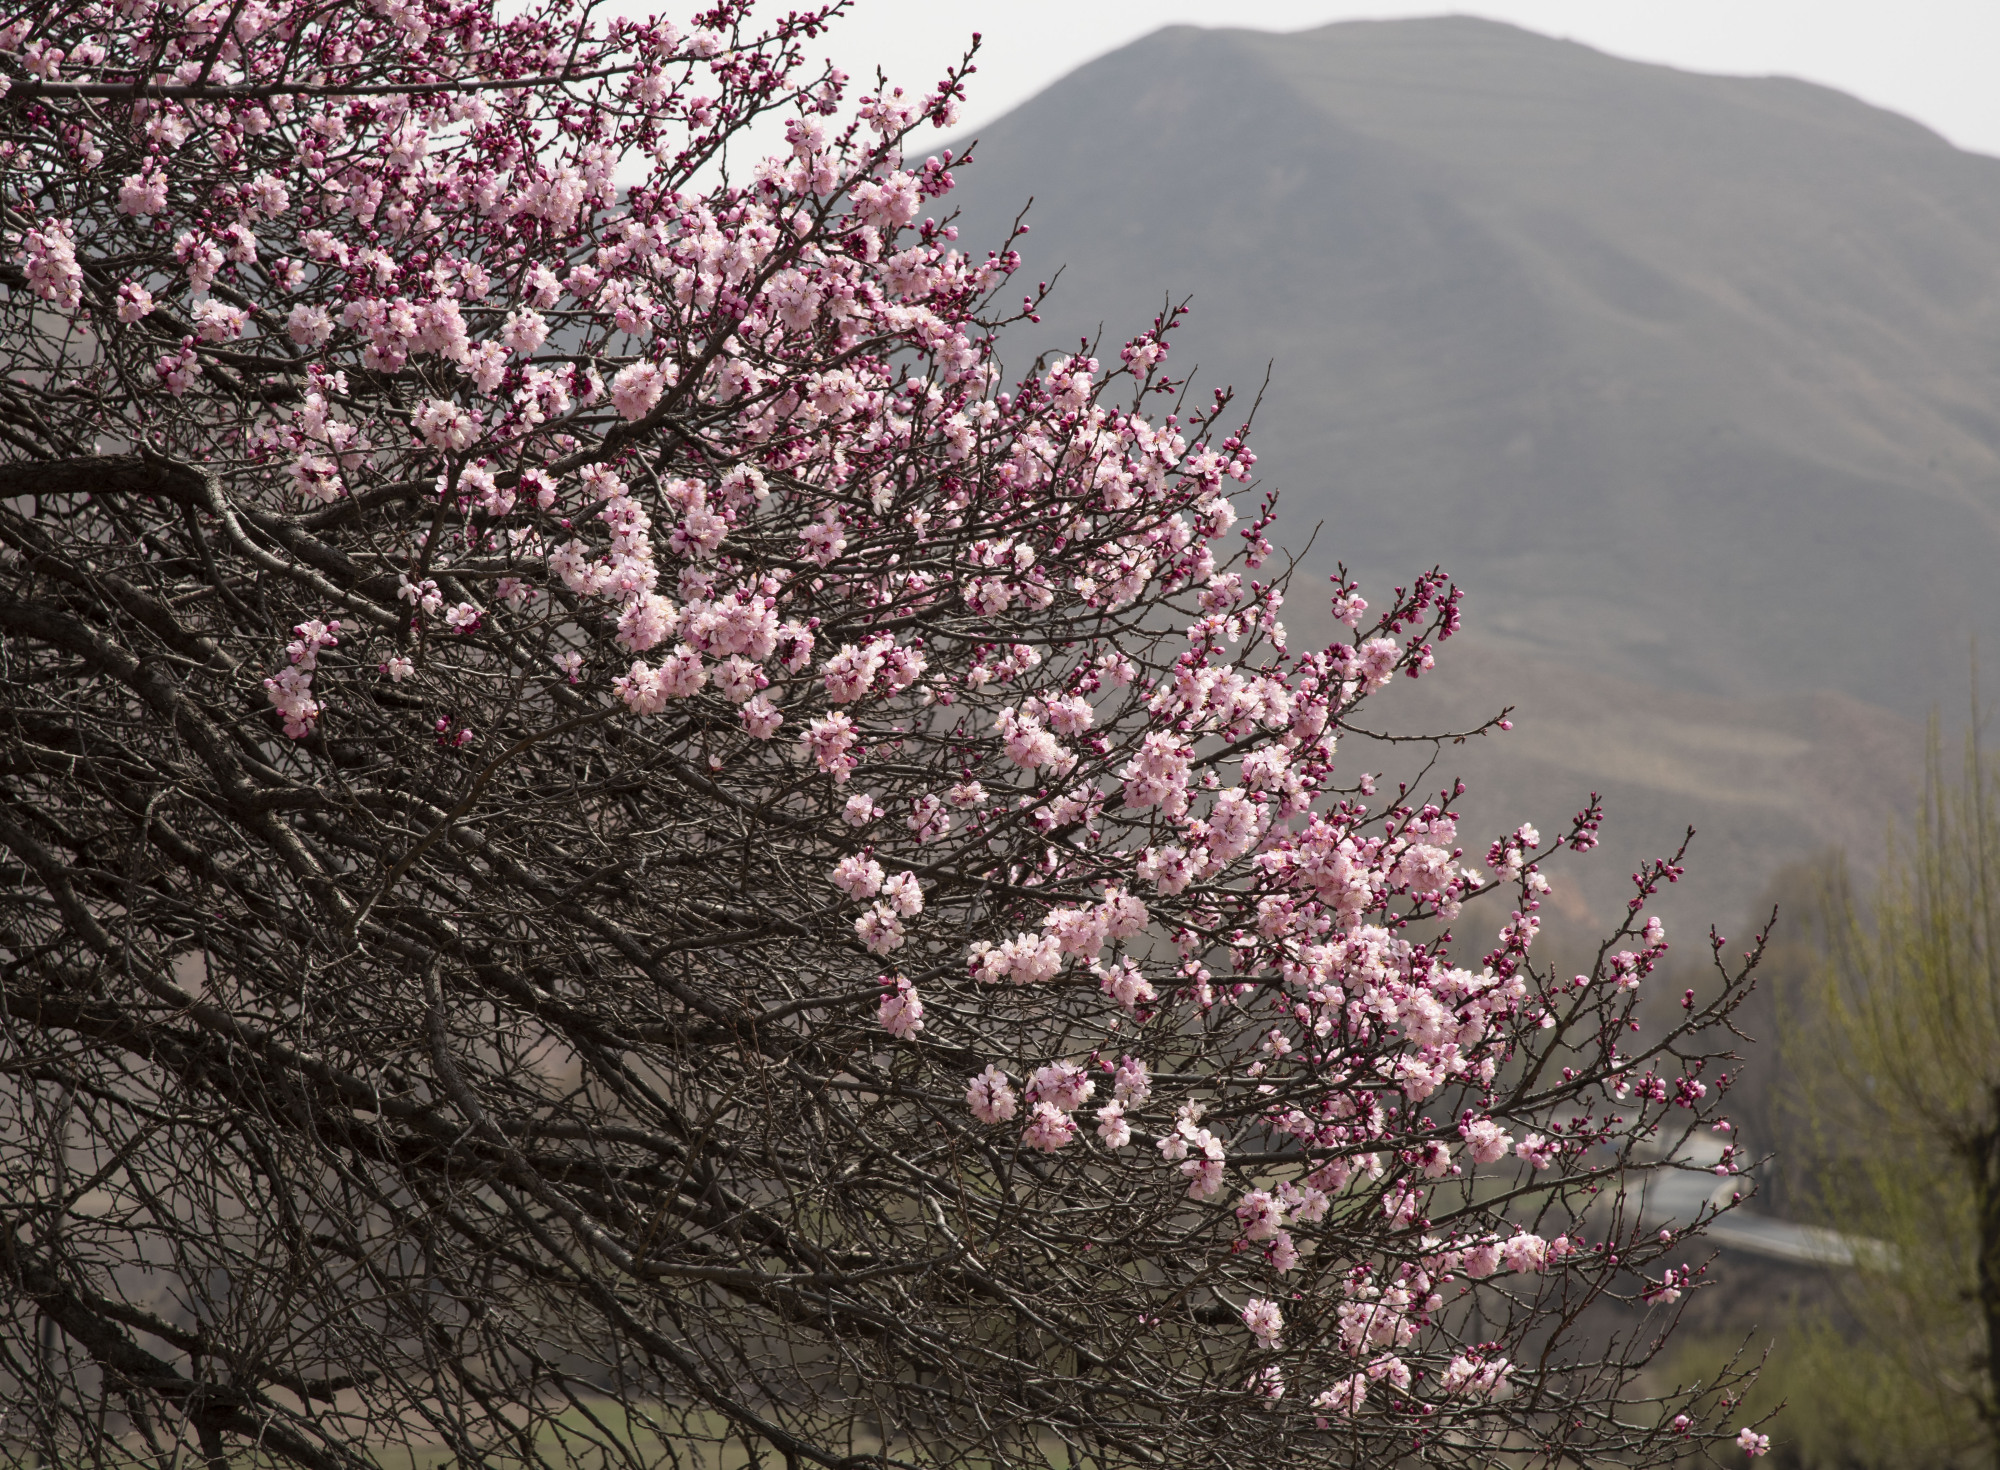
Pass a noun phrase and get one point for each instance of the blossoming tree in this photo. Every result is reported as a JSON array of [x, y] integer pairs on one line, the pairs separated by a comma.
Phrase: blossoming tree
[[614, 838]]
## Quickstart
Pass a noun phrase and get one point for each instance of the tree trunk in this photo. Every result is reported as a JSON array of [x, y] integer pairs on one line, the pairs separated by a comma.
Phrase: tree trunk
[[1986, 1199]]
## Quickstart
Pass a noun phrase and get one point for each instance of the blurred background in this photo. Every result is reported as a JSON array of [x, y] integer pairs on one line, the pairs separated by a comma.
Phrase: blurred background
[[1672, 332]]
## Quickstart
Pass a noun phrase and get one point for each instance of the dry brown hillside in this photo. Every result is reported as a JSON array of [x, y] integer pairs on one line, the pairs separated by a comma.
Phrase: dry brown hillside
[[1692, 382]]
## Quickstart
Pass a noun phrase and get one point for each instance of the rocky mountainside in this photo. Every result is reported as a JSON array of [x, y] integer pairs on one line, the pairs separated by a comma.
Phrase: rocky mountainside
[[1692, 382]]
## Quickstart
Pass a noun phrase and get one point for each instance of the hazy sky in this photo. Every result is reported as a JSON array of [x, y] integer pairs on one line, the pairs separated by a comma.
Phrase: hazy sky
[[1935, 60]]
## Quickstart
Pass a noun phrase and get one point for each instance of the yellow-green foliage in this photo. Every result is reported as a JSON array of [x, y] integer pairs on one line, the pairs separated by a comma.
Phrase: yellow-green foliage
[[1847, 1404], [1895, 1068]]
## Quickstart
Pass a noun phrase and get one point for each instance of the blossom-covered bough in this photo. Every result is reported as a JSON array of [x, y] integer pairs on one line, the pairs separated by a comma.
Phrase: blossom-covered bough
[[616, 842]]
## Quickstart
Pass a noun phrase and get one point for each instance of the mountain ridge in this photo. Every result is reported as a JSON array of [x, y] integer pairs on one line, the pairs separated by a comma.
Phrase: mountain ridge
[[1559, 386], [1692, 382]]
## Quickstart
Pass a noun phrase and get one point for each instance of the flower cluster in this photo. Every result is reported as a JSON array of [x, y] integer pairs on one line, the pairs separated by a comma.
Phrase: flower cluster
[[801, 643]]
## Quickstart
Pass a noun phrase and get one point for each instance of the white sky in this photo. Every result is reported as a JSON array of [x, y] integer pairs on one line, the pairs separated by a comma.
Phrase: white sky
[[1934, 60]]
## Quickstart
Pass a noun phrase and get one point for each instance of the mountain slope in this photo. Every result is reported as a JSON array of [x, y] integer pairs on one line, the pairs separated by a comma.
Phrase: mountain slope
[[1691, 381]]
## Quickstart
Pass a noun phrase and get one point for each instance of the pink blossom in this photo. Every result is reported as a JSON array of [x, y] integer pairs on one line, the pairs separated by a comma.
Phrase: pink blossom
[[1268, 1382], [1422, 868], [741, 624], [144, 192], [991, 1097], [1381, 1322], [441, 331], [49, 257], [647, 691], [1417, 1078], [543, 287], [858, 876], [1335, 1172], [1667, 1290], [1234, 825], [824, 540], [901, 1011], [1122, 915], [1483, 1259], [928, 820], [1071, 716], [1265, 1321], [308, 638], [1538, 1151], [290, 694], [1259, 1215], [890, 203], [647, 621], [179, 371], [902, 667], [316, 477], [850, 672], [1112, 1125], [485, 363], [424, 594], [905, 894], [1404, 1204], [637, 389], [1390, 1369], [135, 302], [1078, 932], [1752, 1443], [1343, 1400], [1282, 1254], [526, 330], [859, 516], [738, 678], [1305, 1204], [830, 740], [1129, 1081], [1028, 745], [880, 930], [263, 195], [1434, 1159], [1525, 1252], [1264, 770], [1064, 1085], [238, 243], [1468, 1374], [1168, 869], [1157, 776], [795, 299], [444, 425], [1026, 959], [308, 326], [43, 60], [987, 596], [1125, 983], [1378, 659], [1204, 1177], [1487, 1140], [1049, 1128]]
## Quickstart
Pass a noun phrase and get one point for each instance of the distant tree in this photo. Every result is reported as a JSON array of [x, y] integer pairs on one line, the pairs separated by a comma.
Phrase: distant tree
[[617, 848], [1897, 1065]]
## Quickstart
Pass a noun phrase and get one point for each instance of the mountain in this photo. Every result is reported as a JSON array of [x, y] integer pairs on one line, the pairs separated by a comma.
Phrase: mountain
[[1764, 780], [1692, 382]]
